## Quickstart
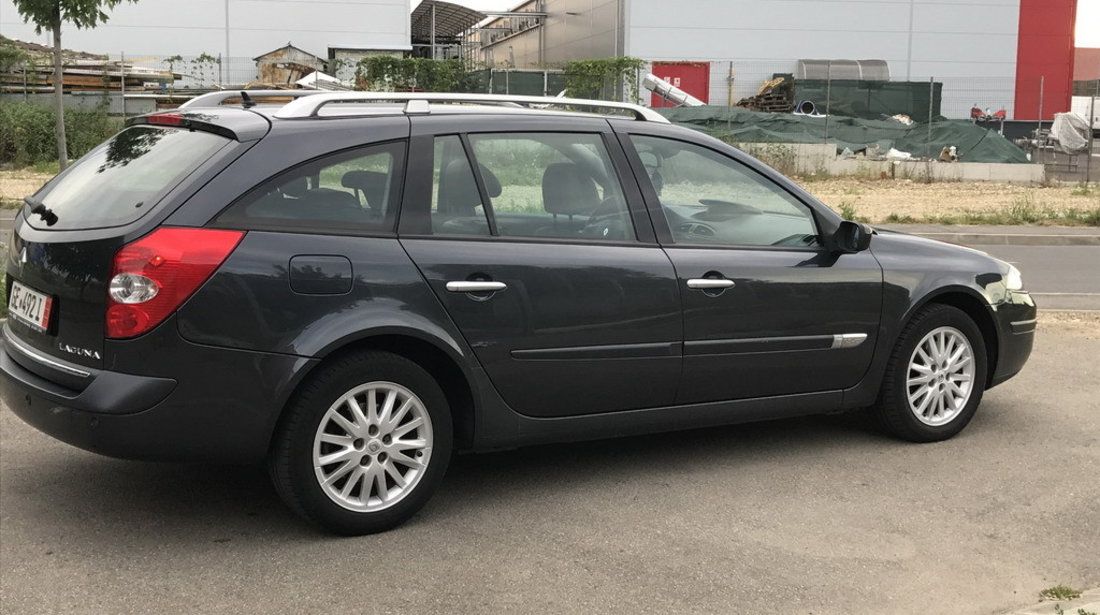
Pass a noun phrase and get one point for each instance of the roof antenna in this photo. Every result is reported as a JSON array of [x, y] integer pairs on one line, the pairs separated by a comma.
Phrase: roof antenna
[[248, 102]]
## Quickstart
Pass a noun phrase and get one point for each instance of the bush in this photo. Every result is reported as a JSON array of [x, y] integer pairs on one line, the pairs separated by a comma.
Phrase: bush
[[27, 132]]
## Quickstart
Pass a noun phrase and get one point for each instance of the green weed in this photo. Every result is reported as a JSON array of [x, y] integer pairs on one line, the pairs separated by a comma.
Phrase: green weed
[[1059, 592]]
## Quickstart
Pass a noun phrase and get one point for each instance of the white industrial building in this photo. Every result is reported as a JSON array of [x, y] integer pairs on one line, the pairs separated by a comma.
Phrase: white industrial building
[[971, 46]]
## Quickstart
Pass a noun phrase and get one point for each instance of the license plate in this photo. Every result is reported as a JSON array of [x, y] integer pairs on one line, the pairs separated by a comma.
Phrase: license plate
[[30, 306]]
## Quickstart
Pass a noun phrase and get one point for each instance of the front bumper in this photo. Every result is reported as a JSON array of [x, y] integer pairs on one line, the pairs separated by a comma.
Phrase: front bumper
[[1016, 321], [220, 406]]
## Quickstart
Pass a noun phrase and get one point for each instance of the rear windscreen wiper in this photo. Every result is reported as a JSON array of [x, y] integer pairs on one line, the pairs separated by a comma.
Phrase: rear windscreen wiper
[[42, 211]]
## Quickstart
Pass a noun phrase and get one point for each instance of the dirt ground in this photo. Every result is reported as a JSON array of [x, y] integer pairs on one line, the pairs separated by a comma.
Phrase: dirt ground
[[1080, 324], [872, 199], [14, 185], [877, 199]]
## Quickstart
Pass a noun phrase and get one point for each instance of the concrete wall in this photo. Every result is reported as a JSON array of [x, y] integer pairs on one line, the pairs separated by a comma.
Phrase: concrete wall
[[970, 45], [90, 101], [821, 158]]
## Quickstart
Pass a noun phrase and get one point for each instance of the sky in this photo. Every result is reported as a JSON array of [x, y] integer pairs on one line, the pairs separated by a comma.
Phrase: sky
[[1088, 17]]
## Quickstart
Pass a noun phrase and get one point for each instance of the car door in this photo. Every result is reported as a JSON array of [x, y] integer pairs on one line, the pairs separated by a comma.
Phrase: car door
[[767, 309], [546, 261]]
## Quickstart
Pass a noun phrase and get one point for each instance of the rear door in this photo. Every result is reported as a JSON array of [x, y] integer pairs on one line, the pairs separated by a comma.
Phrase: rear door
[[767, 309], [546, 261]]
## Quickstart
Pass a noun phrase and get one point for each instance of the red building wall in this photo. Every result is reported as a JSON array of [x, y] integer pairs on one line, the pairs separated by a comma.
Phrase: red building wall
[[1086, 64], [1045, 56]]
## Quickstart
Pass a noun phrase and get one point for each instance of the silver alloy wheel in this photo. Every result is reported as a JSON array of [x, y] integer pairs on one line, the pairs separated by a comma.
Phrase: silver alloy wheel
[[372, 446], [940, 377]]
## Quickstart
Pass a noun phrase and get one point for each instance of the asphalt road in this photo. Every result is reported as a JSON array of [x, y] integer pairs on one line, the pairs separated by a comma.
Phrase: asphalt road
[[818, 515]]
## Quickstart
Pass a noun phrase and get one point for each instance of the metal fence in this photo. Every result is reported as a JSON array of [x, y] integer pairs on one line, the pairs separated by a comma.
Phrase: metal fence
[[729, 82]]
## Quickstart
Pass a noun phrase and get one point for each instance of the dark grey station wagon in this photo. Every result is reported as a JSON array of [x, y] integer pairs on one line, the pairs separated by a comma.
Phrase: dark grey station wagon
[[352, 286]]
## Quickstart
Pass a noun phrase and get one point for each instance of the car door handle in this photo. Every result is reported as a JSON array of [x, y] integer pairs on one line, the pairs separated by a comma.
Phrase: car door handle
[[709, 283], [475, 286]]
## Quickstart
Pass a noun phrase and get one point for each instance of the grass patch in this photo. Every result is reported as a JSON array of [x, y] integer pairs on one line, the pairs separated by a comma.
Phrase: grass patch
[[1059, 592], [900, 219], [6, 203], [848, 212], [48, 167], [1017, 214]]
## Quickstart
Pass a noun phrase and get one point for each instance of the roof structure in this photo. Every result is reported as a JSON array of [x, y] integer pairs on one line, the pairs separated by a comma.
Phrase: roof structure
[[280, 53], [450, 20]]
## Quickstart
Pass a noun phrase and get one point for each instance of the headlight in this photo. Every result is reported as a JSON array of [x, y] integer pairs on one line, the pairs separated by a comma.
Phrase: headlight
[[1013, 279]]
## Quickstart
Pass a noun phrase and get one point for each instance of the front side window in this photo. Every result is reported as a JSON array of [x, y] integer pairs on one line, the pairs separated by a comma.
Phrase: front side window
[[351, 190], [709, 198], [559, 185]]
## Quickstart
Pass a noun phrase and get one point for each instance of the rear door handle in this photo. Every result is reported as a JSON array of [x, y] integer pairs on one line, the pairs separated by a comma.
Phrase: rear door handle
[[475, 286], [709, 283]]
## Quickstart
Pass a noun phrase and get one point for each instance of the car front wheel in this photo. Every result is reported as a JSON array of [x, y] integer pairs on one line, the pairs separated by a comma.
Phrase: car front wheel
[[936, 376], [364, 444]]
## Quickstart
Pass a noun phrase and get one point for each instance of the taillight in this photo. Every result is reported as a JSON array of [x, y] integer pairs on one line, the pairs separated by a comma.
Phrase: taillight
[[153, 276]]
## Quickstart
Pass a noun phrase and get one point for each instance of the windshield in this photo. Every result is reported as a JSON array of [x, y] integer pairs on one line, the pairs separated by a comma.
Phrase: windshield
[[121, 180]]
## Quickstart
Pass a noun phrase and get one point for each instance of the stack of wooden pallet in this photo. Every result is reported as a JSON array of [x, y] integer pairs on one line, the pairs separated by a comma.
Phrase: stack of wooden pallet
[[86, 76], [774, 96], [32, 71]]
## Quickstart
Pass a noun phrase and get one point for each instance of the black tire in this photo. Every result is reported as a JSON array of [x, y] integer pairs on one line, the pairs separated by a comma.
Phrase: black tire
[[291, 460], [893, 409]]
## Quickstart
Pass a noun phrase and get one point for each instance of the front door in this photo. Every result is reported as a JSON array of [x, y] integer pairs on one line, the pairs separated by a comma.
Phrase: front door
[[527, 239], [767, 310]]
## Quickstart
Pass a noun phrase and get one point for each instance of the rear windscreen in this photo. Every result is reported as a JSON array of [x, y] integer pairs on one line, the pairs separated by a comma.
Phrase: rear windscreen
[[121, 180]]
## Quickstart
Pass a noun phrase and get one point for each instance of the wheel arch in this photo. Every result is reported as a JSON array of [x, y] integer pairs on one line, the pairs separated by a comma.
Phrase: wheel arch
[[435, 356], [974, 305]]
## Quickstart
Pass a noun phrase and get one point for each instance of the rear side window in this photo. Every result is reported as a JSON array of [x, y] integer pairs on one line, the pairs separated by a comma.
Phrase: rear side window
[[121, 180], [355, 190], [559, 185]]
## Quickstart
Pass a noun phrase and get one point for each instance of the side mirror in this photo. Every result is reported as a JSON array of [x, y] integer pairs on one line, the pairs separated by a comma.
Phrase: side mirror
[[852, 237]]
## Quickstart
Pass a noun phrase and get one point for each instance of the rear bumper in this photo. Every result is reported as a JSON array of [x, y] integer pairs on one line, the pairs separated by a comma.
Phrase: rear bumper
[[221, 406]]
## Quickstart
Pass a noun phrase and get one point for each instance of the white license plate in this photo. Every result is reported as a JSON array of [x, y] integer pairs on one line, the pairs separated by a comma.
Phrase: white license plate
[[30, 306]]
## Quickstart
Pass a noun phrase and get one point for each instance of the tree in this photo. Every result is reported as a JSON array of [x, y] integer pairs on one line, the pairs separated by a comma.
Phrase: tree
[[49, 15]]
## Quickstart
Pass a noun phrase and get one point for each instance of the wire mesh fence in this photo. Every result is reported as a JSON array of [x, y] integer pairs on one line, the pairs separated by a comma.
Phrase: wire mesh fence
[[728, 83]]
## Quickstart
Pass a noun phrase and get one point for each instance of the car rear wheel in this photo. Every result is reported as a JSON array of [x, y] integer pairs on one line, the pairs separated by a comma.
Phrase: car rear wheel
[[935, 378], [364, 444]]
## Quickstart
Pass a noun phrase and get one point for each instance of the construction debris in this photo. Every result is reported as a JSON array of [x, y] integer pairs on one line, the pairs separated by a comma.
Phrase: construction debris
[[774, 96], [81, 72]]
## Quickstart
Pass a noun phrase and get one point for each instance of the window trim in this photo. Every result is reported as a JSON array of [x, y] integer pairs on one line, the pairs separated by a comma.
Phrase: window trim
[[318, 227]]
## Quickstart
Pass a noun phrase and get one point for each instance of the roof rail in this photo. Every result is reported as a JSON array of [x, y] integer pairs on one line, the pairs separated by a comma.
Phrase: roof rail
[[417, 103], [214, 99]]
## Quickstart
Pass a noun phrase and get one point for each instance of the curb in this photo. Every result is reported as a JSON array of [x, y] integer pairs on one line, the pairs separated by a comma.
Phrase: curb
[[1014, 239], [1003, 236]]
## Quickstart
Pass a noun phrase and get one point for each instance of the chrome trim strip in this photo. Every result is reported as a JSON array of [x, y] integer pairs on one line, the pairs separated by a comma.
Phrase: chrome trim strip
[[848, 340], [648, 350], [72, 371], [486, 286], [753, 345]]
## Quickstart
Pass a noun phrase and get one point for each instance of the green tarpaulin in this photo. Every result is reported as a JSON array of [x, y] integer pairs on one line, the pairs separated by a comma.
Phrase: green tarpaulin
[[974, 143]]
